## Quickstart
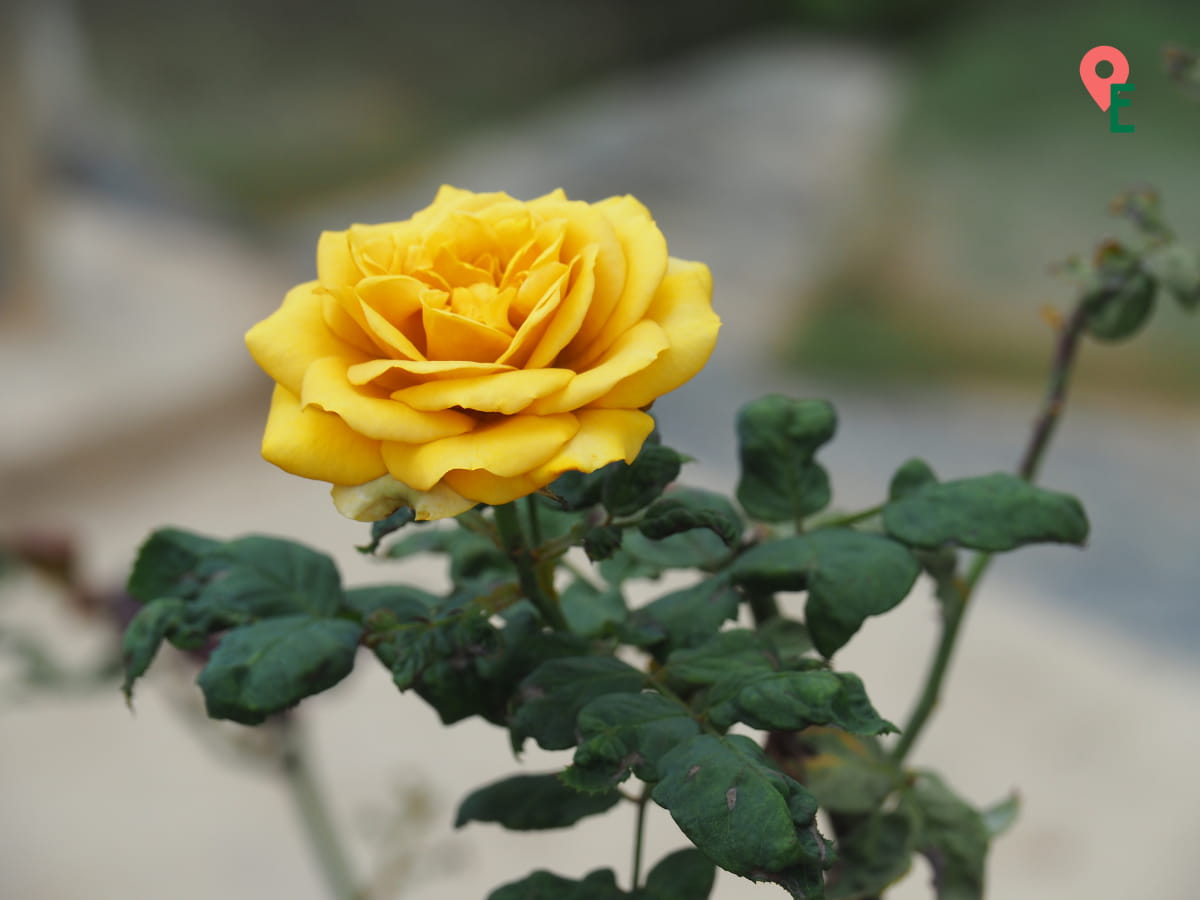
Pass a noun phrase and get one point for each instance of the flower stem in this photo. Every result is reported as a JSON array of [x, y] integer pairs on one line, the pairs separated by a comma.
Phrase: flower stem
[[314, 814], [955, 593], [508, 523], [639, 832]]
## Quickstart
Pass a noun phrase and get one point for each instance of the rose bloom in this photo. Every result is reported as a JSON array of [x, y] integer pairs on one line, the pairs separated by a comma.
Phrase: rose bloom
[[477, 351]]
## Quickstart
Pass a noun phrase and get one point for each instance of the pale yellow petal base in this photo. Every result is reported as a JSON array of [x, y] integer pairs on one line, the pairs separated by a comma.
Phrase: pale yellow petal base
[[380, 498]]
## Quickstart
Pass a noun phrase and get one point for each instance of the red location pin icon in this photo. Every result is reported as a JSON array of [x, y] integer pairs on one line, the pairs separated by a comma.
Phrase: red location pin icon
[[1097, 85]]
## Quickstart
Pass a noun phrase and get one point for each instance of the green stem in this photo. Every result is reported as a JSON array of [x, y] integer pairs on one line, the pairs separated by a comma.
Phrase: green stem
[[535, 526], [314, 815], [639, 832], [955, 594], [508, 523], [852, 518]]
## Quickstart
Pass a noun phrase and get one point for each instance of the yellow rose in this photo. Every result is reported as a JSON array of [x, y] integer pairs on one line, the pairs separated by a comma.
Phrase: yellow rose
[[477, 351]]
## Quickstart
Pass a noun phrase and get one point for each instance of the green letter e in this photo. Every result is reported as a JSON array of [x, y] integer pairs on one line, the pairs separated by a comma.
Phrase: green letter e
[[1115, 102]]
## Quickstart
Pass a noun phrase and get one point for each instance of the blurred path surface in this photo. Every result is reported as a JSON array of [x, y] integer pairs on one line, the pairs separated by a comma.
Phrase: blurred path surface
[[749, 158]]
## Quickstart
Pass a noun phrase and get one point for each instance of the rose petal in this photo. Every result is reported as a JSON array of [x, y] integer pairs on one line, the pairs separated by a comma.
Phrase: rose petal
[[335, 263], [504, 392], [380, 498], [587, 226], [571, 312], [604, 436], [293, 336], [451, 336], [315, 444], [394, 374], [388, 335], [506, 447], [645, 251], [326, 386], [633, 351], [395, 297], [683, 307]]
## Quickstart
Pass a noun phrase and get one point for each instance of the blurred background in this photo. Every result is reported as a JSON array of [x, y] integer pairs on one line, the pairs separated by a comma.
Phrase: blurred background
[[883, 190]]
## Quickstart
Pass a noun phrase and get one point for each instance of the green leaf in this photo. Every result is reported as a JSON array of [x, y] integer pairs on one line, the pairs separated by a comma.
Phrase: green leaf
[[574, 491], [166, 564], [910, 477], [626, 489], [268, 666], [551, 697], [953, 837], [778, 438], [849, 576], [531, 803], [742, 813], [991, 512], [1003, 815], [846, 773], [272, 577], [543, 885], [683, 875], [624, 733], [1122, 296], [601, 542], [686, 509], [591, 612], [875, 853], [381, 529], [143, 635], [424, 540], [736, 650], [1178, 270], [792, 701], [684, 618], [698, 549], [401, 600]]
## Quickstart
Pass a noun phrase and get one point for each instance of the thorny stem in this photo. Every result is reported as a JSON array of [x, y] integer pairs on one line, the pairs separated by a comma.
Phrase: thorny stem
[[508, 523], [955, 593], [314, 814]]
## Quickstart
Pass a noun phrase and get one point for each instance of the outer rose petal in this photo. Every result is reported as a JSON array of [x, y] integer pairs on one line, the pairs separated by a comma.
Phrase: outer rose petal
[[325, 386], [571, 313], [335, 263], [288, 340], [503, 392], [633, 351], [509, 446], [646, 264], [683, 308], [397, 373], [604, 436], [315, 444], [380, 498]]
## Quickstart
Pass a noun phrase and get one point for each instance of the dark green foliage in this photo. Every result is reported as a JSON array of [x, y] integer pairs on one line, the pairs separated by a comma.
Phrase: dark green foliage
[[849, 577], [874, 852], [685, 509], [381, 529], [167, 564], [910, 477], [268, 666], [403, 601], [952, 836], [778, 438], [626, 489], [848, 773], [683, 875], [683, 618], [144, 634], [1178, 271], [991, 512], [742, 813], [543, 885], [549, 700], [1122, 298], [592, 612], [531, 803], [272, 577], [792, 701], [626, 733], [602, 542]]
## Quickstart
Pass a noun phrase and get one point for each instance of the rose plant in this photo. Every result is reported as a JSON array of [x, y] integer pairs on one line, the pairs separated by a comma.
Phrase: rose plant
[[490, 362]]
